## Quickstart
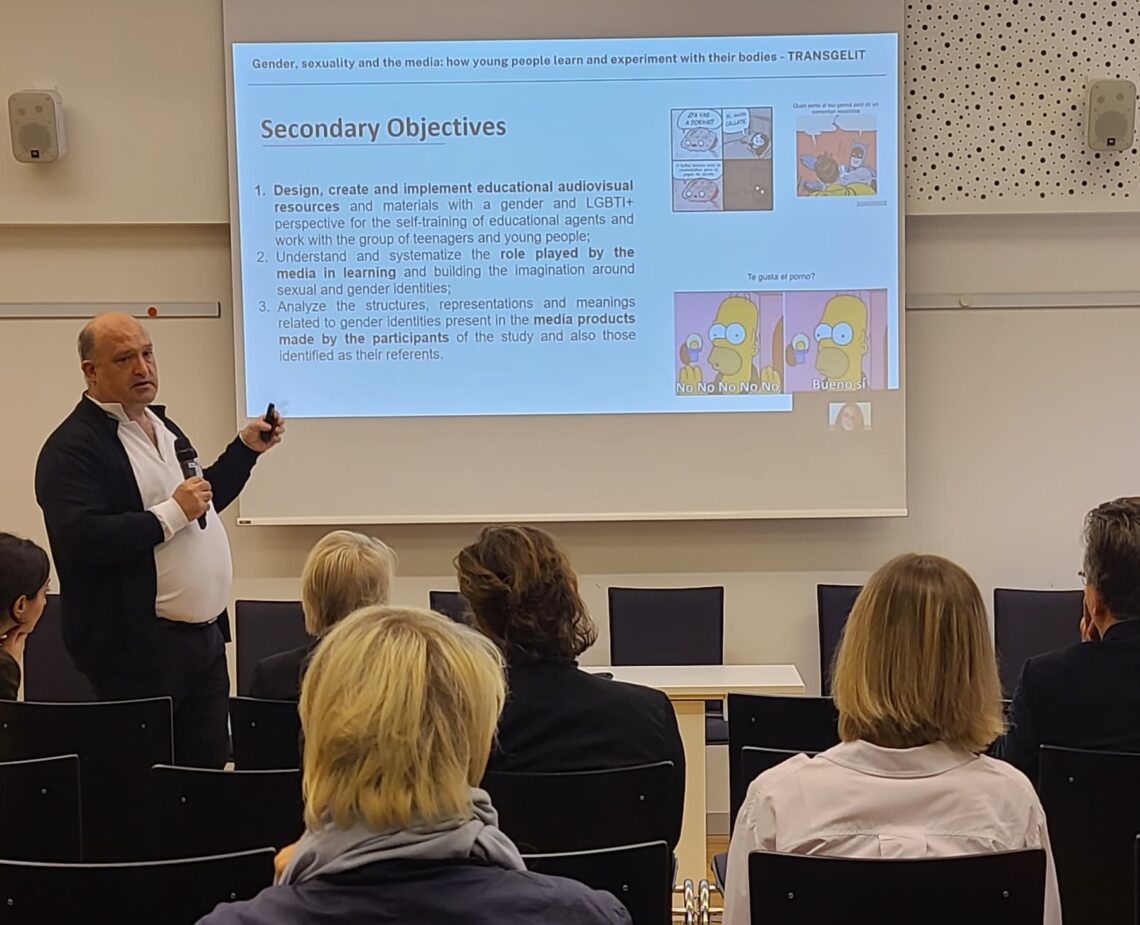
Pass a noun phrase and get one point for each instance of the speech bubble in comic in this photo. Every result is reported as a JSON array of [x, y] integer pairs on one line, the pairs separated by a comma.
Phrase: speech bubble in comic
[[735, 120], [698, 118], [697, 170], [818, 123]]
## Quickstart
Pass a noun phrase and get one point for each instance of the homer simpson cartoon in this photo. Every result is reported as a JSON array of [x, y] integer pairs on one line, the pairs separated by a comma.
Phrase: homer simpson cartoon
[[733, 339], [841, 342]]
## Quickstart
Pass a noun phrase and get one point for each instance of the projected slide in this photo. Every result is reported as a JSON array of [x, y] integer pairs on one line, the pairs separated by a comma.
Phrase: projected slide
[[609, 226]]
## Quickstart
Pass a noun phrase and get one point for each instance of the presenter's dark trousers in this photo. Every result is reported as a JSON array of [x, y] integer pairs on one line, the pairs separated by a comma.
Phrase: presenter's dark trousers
[[188, 666]]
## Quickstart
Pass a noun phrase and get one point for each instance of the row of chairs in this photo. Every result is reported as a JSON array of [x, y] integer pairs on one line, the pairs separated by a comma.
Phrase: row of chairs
[[113, 749], [995, 889], [648, 626], [190, 811], [547, 814]]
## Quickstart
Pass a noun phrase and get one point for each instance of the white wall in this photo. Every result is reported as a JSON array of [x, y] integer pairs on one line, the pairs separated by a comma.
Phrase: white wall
[[1019, 421]]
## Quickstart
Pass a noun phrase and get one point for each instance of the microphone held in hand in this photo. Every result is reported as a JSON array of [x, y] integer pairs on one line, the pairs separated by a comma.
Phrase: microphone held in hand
[[188, 459]]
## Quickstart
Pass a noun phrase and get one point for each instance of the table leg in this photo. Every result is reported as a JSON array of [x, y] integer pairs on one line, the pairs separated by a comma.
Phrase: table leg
[[692, 858]]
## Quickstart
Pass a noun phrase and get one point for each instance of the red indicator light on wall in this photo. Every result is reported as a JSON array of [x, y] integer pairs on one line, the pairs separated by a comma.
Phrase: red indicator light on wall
[[152, 312]]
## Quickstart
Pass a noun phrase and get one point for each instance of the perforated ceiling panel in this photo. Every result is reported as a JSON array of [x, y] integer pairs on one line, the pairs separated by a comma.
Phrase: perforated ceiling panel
[[995, 97]]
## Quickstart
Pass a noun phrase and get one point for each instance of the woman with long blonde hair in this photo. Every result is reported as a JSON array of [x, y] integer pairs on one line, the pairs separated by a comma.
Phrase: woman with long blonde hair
[[916, 686]]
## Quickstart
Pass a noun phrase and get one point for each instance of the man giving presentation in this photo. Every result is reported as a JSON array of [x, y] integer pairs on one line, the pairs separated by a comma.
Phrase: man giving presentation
[[142, 557]]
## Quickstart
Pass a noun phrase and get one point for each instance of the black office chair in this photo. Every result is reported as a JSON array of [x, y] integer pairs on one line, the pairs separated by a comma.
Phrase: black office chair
[[171, 892], [640, 876], [1028, 623], [196, 812], [833, 605], [265, 628], [585, 810], [1093, 807], [50, 676], [752, 762], [795, 724], [450, 604], [266, 734], [671, 626], [117, 743], [1002, 888], [39, 810]]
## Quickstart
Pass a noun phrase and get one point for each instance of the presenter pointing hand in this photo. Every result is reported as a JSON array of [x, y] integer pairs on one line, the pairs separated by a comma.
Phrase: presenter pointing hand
[[144, 599]]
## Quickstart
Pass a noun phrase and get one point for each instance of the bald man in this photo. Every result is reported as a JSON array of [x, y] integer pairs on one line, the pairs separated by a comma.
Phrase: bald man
[[143, 589]]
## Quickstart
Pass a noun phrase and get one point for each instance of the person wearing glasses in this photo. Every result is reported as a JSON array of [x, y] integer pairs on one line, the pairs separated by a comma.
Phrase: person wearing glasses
[[1088, 695]]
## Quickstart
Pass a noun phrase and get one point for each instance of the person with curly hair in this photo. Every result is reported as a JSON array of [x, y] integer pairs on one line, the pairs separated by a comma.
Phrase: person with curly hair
[[523, 595]]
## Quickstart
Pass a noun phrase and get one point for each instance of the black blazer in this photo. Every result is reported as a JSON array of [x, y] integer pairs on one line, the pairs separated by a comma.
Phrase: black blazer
[[9, 676], [1085, 696], [278, 677], [560, 718], [102, 539]]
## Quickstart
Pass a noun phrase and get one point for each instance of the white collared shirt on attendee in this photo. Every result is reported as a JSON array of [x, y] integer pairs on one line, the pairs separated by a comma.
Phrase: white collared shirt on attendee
[[193, 566], [858, 800]]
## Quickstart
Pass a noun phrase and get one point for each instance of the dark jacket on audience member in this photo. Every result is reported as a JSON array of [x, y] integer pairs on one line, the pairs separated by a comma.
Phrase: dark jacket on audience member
[[560, 718], [1085, 696], [464, 892], [279, 676], [9, 677]]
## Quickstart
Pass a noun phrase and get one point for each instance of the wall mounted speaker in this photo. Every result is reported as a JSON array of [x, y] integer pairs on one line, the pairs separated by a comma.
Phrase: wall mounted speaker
[[1112, 115], [36, 120]]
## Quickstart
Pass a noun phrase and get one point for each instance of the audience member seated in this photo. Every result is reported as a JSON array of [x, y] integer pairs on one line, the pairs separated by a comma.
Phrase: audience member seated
[[524, 596], [24, 577], [1088, 695], [399, 709], [343, 572], [917, 690]]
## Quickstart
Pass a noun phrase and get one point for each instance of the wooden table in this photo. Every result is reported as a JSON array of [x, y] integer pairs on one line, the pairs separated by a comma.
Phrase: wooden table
[[688, 687]]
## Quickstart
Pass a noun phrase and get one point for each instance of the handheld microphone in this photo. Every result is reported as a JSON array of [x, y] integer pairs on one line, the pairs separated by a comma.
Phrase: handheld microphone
[[187, 458]]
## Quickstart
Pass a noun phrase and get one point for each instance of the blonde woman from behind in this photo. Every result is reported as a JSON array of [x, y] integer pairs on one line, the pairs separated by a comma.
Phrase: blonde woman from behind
[[399, 709], [917, 690], [343, 572]]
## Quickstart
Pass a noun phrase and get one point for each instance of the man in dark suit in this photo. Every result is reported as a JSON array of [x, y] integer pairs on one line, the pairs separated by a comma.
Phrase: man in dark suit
[[1088, 695], [143, 589]]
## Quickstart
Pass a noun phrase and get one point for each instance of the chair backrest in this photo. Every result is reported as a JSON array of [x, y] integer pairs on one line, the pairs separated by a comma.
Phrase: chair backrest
[[171, 892], [1093, 807], [666, 626], [265, 628], [584, 810], [1028, 623], [833, 606], [266, 734], [792, 724], [50, 676], [450, 604], [117, 743], [1003, 888], [39, 810], [640, 876], [196, 812]]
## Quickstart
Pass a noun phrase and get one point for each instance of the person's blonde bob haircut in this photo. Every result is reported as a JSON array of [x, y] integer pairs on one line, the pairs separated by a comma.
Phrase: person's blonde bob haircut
[[916, 664], [399, 708], [344, 572]]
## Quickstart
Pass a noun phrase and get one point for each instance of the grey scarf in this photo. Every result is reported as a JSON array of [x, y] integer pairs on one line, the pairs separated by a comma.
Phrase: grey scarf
[[332, 850]]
